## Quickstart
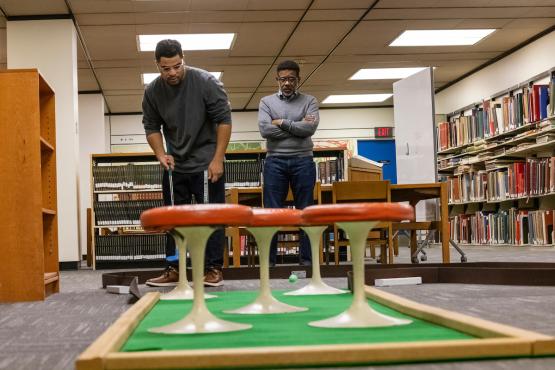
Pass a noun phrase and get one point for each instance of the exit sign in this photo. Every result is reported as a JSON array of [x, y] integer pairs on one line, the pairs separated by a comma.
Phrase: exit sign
[[381, 132]]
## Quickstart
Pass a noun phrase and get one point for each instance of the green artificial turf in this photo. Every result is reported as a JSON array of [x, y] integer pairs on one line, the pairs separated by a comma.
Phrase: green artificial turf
[[277, 329]]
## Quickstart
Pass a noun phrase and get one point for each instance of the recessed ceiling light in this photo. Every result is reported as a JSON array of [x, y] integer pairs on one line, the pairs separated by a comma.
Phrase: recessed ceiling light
[[191, 41], [384, 73], [440, 37], [148, 77], [356, 98]]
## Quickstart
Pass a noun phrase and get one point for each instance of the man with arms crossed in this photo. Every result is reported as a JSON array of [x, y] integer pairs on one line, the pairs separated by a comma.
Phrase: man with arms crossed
[[287, 120], [192, 109]]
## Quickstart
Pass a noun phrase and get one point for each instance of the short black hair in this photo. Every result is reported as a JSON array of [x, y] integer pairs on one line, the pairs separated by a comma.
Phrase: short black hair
[[168, 49], [290, 65]]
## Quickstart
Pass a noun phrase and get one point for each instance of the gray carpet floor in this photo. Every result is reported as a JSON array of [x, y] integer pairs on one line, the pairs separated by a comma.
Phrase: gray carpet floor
[[51, 334]]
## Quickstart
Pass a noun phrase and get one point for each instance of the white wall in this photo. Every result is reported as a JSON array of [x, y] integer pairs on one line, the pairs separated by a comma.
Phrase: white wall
[[523, 64], [51, 46], [92, 139], [127, 133]]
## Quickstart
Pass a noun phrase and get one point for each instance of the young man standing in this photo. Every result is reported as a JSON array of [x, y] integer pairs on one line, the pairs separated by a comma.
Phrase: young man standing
[[287, 120], [191, 107]]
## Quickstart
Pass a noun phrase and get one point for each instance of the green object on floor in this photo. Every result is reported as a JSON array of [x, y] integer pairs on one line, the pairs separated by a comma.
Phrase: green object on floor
[[277, 329]]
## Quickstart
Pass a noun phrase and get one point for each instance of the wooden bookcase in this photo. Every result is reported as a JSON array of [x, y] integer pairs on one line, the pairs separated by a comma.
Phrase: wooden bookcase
[[123, 185], [498, 158], [28, 219]]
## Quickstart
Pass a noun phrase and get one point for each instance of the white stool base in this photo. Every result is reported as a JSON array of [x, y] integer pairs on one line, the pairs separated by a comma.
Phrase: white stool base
[[196, 323], [316, 288], [316, 285], [185, 293], [358, 316], [199, 320], [266, 305]]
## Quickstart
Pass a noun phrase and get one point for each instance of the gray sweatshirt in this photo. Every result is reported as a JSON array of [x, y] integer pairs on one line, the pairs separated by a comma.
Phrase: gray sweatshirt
[[293, 137], [189, 114]]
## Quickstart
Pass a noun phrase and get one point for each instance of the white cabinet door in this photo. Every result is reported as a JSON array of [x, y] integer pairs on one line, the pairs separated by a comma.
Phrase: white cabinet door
[[413, 99]]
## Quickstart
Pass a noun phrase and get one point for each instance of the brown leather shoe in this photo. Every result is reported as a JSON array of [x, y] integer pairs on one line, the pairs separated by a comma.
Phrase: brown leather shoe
[[213, 277], [170, 277]]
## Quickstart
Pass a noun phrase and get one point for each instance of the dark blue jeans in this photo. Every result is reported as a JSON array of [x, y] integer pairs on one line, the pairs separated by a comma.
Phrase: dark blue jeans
[[185, 187], [279, 174]]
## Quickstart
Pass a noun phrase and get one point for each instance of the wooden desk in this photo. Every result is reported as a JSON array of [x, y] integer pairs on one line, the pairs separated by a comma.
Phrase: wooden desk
[[413, 193]]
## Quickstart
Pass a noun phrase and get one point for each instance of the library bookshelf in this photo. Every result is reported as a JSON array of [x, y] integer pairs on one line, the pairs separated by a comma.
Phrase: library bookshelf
[[125, 184], [498, 158], [28, 217]]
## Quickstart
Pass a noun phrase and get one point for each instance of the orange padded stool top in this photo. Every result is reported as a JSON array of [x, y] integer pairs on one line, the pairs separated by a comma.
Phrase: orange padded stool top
[[275, 217], [166, 218], [330, 213]]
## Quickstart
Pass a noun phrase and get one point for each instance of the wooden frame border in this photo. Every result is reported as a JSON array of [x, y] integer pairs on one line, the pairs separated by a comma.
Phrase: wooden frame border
[[496, 340]]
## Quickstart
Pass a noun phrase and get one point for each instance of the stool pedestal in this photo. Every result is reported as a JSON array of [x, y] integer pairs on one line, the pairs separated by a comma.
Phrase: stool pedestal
[[316, 285], [200, 319], [265, 302], [359, 314], [182, 291]]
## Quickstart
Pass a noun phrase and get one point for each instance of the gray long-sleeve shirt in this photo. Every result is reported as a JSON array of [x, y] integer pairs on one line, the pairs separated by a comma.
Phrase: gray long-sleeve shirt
[[189, 114], [293, 137]]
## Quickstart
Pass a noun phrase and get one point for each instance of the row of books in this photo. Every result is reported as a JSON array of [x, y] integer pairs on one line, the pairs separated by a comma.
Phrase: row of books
[[495, 117], [516, 227], [502, 146], [122, 212], [243, 173], [106, 197], [504, 180], [129, 176], [130, 247], [329, 170], [238, 173]]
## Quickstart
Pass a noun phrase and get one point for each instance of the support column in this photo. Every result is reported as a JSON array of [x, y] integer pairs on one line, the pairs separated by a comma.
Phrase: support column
[[51, 46], [92, 139]]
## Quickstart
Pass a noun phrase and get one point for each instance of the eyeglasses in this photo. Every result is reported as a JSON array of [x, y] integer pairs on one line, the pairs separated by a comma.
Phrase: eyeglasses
[[166, 69], [283, 80]]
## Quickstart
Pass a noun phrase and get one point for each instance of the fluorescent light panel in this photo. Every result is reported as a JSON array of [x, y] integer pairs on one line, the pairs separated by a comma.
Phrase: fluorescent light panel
[[384, 73], [356, 98], [148, 77], [191, 41], [440, 37]]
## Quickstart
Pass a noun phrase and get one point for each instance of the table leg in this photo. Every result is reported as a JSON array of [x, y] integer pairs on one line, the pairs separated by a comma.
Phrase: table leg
[[444, 198]]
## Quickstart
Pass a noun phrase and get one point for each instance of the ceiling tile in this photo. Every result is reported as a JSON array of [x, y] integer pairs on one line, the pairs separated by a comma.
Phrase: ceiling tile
[[263, 27], [261, 39], [316, 38], [33, 7], [124, 103], [110, 42], [86, 80], [343, 4], [119, 78]]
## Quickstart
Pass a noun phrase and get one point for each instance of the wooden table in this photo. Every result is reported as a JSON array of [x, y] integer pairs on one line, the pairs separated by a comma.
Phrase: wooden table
[[414, 193]]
